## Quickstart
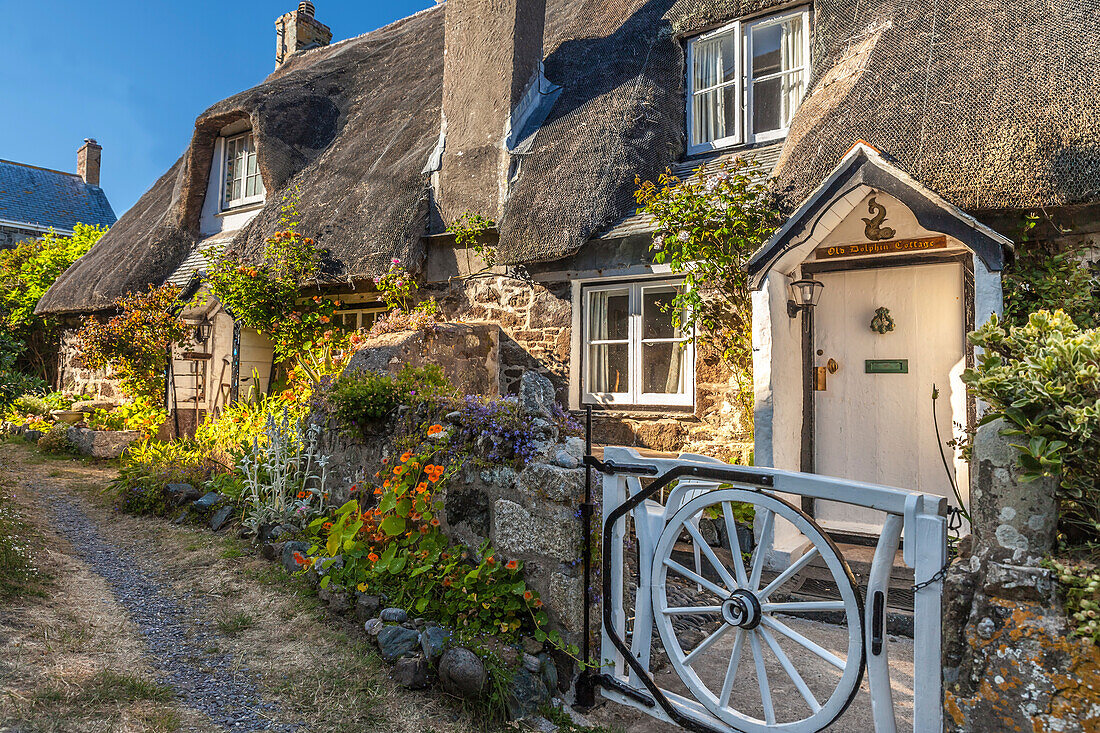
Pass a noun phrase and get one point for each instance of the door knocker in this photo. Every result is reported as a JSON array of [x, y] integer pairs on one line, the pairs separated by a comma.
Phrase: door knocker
[[882, 322]]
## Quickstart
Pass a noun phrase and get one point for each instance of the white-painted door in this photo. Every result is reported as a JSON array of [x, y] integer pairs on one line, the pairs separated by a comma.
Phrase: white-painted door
[[879, 427]]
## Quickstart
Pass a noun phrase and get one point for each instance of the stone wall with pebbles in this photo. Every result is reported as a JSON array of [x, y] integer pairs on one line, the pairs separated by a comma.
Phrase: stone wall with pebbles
[[530, 514]]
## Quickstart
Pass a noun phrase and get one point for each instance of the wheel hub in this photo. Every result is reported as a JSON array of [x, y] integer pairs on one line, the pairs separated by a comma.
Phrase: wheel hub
[[742, 609]]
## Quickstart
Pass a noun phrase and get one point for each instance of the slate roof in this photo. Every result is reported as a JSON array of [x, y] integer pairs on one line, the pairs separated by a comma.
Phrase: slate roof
[[47, 198]]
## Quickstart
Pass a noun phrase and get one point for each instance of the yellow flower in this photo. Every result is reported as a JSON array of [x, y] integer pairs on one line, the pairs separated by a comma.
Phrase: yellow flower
[[362, 587]]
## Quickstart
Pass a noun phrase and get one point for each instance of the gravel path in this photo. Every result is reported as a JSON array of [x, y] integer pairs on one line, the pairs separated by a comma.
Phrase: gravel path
[[182, 647]]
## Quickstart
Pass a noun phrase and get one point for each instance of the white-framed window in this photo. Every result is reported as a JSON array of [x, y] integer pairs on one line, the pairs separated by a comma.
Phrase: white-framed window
[[353, 319], [241, 181], [633, 354], [746, 80]]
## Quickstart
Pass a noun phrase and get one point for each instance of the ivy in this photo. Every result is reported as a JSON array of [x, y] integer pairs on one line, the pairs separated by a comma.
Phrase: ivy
[[1050, 276], [705, 228]]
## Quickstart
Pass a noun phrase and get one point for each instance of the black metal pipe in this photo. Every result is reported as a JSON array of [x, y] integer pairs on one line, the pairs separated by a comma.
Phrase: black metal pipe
[[586, 688]]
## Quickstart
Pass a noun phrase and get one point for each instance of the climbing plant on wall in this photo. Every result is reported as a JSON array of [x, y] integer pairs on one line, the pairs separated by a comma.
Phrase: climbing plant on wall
[[266, 295], [705, 228], [1045, 275], [133, 344]]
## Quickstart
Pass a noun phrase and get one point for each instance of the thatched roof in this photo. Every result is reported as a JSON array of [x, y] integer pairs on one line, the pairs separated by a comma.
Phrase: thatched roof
[[991, 104], [352, 126]]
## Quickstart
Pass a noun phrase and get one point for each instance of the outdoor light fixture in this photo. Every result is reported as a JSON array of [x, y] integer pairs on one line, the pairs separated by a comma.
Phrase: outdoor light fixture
[[804, 295], [202, 331]]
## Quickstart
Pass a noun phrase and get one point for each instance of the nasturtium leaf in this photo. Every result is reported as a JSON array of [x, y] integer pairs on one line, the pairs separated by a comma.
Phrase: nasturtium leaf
[[393, 525]]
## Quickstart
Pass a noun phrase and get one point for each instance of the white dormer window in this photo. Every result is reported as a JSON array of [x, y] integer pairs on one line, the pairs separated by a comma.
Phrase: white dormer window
[[242, 184], [745, 80]]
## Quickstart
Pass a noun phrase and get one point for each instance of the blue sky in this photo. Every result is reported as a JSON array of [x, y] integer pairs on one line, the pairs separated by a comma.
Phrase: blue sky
[[135, 74]]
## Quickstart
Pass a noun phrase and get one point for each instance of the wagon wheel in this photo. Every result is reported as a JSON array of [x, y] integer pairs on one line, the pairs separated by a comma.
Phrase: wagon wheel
[[742, 604]]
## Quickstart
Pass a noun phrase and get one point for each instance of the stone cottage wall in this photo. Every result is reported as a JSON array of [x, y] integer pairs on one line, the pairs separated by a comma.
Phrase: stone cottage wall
[[75, 377], [11, 236], [536, 323]]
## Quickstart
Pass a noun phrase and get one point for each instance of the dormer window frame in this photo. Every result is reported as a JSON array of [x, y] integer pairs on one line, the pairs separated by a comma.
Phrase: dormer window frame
[[739, 88], [238, 151]]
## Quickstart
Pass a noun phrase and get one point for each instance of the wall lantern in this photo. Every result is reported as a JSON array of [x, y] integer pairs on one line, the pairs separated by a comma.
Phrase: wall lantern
[[804, 295], [202, 331]]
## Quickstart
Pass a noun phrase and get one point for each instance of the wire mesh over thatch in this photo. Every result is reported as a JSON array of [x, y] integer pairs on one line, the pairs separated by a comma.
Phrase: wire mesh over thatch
[[349, 127], [992, 104]]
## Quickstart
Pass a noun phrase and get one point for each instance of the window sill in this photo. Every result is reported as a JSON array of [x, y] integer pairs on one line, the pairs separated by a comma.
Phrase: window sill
[[702, 153], [635, 412], [243, 208]]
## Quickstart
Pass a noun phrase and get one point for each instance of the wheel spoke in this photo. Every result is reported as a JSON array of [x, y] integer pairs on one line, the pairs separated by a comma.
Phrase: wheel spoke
[[802, 606], [701, 543], [735, 545], [789, 668], [762, 678], [762, 548], [788, 573], [780, 627], [707, 643], [731, 670], [699, 579], [691, 610]]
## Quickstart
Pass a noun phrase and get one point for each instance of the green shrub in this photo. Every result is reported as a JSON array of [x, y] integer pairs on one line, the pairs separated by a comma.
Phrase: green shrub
[[1043, 378], [31, 404], [140, 415], [362, 398], [56, 440], [14, 383], [148, 468], [1044, 278]]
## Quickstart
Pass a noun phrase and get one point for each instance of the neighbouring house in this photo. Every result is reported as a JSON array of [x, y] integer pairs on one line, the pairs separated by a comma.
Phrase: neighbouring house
[[34, 201], [906, 139]]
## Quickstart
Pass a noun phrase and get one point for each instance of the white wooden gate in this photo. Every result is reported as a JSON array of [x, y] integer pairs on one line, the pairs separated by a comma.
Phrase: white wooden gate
[[738, 595]]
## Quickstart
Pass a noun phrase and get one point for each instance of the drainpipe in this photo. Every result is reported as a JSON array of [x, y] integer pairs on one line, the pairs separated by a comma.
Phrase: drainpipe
[[586, 683]]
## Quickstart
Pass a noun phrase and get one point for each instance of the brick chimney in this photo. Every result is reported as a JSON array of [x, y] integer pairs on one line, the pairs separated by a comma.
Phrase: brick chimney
[[87, 161], [493, 54], [297, 31]]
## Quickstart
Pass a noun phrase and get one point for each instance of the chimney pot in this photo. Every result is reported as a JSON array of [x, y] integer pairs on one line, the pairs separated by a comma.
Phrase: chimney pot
[[88, 159], [299, 30]]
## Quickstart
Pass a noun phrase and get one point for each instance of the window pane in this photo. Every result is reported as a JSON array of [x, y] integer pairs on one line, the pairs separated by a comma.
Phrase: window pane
[[793, 85], [730, 112], [657, 314], [767, 42], [706, 120], [706, 57], [729, 58], [767, 105], [608, 368], [792, 44], [663, 368], [252, 164], [609, 315]]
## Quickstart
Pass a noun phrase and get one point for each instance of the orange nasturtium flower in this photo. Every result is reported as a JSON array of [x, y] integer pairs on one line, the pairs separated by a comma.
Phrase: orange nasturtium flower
[[538, 603], [435, 430], [435, 522], [406, 456], [398, 470], [421, 487], [512, 565], [372, 557], [301, 494], [527, 595], [378, 491], [491, 560], [327, 525], [299, 558]]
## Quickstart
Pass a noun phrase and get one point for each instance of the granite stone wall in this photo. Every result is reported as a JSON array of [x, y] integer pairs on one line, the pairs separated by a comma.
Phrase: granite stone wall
[[75, 377], [535, 319]]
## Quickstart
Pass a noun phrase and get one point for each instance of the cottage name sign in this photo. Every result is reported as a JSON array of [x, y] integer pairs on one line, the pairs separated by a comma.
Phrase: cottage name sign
[[881, 248]]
